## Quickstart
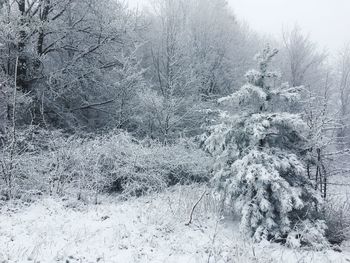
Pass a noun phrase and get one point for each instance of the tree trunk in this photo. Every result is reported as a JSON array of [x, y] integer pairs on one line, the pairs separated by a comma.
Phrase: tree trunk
[[43, 18], [3, 115], [22, 58]]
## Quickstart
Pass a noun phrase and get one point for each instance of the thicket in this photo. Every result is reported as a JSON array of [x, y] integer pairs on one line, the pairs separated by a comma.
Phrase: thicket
[[52, 163]]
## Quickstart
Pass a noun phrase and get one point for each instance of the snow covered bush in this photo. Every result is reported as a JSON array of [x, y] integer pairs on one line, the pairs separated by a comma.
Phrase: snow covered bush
[[134, 167], [308, 234], [337, 216], [259, 152], [139, 167], [114, 162]]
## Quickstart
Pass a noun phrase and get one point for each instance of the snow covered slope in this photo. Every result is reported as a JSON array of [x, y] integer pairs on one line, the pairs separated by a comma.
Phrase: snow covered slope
[[148, 229]]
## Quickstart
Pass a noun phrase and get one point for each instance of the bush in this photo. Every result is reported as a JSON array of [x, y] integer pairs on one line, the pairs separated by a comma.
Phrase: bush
[[115, 162], [139, 167], [308, 234], [337, 217]]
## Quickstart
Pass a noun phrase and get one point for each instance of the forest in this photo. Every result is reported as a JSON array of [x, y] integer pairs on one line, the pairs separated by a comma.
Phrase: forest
[[174, 133]]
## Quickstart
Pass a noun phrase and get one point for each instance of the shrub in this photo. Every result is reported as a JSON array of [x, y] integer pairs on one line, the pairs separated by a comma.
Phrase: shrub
[[337, 217], [308, 234], [114, 162]]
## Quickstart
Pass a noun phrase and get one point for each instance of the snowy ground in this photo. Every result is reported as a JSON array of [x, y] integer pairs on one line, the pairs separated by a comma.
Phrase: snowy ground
[[148, 229]]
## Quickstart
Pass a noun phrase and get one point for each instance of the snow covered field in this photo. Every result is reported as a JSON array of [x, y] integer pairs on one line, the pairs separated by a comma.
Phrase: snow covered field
[[148, 229]]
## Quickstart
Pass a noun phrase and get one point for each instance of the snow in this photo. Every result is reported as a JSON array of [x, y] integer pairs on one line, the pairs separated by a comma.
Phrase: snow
[[147, 229]]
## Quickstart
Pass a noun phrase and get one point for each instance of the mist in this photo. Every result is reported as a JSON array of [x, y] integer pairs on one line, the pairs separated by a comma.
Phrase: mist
[[174, 131]]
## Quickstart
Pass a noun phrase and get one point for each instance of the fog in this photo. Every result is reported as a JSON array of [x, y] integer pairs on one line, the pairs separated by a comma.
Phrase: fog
[[174, 131], [326, 21]]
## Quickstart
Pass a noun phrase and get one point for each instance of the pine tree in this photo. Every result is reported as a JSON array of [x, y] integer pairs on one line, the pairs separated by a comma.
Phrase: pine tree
[[259, 163]]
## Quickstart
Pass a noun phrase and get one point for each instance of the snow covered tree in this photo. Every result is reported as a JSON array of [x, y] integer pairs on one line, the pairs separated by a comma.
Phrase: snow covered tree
[[259, 163], [67, 55], [303, 63]]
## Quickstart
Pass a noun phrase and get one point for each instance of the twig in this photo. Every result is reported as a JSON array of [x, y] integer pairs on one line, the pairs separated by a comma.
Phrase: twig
[[13, 143], [214, 238], [93, 105], [194, 207]]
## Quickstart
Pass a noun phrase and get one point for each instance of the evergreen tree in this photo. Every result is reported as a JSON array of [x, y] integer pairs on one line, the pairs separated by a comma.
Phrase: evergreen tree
[[259, 163]]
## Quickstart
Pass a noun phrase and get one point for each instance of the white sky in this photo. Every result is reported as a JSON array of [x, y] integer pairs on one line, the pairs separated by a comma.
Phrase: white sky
[[327, 21]]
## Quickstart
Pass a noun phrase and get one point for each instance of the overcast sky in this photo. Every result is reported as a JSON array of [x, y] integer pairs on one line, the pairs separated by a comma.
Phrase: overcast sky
[[327, 21]]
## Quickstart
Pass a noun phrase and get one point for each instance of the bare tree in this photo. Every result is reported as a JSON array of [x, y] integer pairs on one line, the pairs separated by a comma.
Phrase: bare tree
[[344, 94], [66, 50], [172, 97], [303, 57]]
